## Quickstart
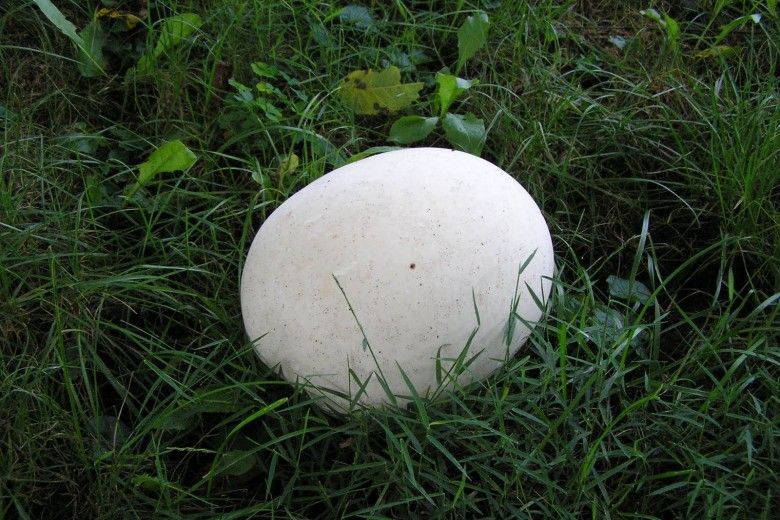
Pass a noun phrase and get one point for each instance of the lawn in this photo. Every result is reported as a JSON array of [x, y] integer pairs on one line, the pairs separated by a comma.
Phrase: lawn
[[648, 133]]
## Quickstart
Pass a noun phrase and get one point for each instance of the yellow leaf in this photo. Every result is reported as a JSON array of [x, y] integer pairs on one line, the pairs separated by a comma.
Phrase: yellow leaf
[[288, 165], [368, 92], [131, 20]]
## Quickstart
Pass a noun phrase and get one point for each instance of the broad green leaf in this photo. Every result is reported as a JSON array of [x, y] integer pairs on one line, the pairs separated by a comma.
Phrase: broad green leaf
[[90, 52], [372, 151], [81, 140], [472, 36], [357, 15], [263, 70], [627, 289], [406, 61], [607, 327], [410, 129], [399, 58], [92, 62], [171, 156], [672, 32], [244, 93], [669, 25], [265, 88], [176, 29], [368, 93], [235, 463], [320, 35], [736, 24], [466, 133], [173, 31], [449, 89], [56, 17], [269, 109]]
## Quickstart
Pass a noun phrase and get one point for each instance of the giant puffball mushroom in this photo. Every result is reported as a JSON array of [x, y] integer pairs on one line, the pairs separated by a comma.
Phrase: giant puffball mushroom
[[389, 264]]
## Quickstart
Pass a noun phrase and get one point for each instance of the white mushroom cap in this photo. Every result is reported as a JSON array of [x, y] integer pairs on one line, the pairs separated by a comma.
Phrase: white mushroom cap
[[415, 238]]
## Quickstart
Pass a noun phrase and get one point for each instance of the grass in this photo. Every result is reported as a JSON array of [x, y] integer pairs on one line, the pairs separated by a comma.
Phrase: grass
[[128, 389]]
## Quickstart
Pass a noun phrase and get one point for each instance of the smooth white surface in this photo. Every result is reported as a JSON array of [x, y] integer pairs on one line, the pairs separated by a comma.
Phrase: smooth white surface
[[409, 235]]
